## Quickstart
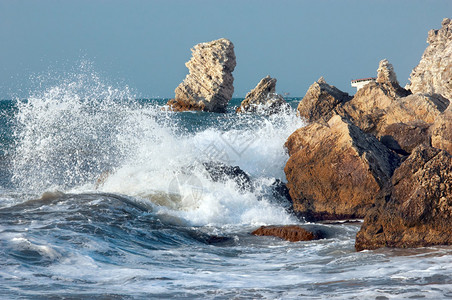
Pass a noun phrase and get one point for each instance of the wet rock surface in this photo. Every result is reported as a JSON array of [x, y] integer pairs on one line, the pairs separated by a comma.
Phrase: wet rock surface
[[291, 233], [417, 210]]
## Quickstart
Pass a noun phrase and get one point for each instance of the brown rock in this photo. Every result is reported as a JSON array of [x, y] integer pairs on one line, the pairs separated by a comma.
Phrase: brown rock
[[263, 98], [320, 100], [335, 170], [209, 84], [433, 74], [291, 233], [403, 138], [442, 132], [417, 211]]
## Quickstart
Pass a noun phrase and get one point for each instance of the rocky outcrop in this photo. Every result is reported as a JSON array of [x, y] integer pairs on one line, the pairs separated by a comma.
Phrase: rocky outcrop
[[417, 211], [291, 233], [369, 106], [263, 98], [433, 74], [320, 100], [209, 84], [335, 170], [391, 113], [442, 131]]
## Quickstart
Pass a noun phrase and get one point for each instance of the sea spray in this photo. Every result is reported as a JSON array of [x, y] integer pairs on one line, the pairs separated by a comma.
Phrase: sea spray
[[68, 133], [84, 135]]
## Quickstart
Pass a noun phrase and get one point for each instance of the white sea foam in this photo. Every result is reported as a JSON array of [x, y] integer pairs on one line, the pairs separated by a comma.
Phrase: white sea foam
[[73, 133]]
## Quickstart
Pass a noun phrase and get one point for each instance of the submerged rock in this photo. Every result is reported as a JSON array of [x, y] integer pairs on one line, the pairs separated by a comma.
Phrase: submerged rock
[[220, 172], [433, 74], [320, 100], [263, 98], [417, 211], [291, 233], [335, 170], [209, 84]]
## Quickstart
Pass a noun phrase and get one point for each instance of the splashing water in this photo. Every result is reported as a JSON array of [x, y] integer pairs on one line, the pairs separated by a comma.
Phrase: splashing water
[[82, 134]]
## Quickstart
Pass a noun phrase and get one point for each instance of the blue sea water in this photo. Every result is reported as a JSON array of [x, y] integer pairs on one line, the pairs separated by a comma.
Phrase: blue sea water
[[104, 196]]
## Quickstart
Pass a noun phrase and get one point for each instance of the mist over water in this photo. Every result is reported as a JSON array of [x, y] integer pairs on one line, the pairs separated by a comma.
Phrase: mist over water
[[107, 196]]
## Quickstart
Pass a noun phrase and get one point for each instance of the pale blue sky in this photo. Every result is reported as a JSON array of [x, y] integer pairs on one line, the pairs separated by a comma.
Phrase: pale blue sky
[[145, 44]]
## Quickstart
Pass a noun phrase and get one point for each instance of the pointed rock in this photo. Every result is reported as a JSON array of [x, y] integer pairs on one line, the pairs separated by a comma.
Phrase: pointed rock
[[320, 100], [209, 84], [263, 98], [433, 74]]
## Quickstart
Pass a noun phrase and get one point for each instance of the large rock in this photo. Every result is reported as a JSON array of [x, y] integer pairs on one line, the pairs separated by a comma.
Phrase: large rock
[[433, 74], [320, 100], [209, 84], [263, 98], [335, 170], [442, 131], [417, 211]]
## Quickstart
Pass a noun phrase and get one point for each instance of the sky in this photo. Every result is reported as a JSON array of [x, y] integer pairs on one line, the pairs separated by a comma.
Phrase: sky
[[145, 44]]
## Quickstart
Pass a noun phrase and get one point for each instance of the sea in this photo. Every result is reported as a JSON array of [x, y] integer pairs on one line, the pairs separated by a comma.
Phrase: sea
[[104, 195]]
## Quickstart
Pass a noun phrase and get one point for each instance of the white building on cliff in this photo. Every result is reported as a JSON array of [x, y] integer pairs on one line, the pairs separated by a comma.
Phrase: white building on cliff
[[360, 83]]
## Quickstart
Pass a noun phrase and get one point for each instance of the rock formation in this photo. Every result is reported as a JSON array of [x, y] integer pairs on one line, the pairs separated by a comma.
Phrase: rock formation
[[383, 104], [209, 84], [442, 131], [263, 98], [335, 170], [433, 74], [291, 233], [320, 100], [417, 211]]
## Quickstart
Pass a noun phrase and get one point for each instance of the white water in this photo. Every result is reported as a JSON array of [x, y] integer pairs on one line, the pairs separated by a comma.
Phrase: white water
[[82, 129]]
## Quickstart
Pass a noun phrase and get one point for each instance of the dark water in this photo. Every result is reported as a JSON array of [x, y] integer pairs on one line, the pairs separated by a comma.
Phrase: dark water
[[104, 197]]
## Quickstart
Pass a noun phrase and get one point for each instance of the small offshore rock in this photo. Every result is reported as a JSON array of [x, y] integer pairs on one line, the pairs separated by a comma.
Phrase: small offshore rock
[[209, 84], [320, 100], [433, 74], [291, 233], [263, 98], [335, 170], [417, 211]]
